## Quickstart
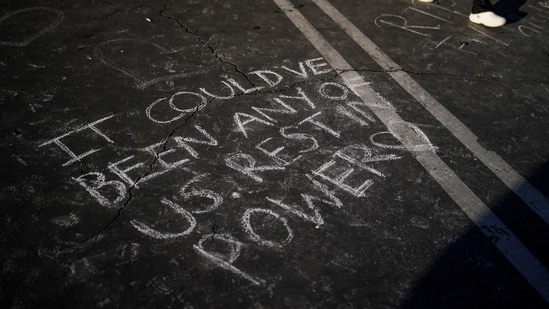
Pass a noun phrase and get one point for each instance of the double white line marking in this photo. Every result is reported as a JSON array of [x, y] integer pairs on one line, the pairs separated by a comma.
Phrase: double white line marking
[[502, 237]]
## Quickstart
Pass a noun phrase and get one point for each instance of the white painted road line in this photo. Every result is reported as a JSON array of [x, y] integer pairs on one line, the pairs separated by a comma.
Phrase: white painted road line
[[511, 178], [502, 238]]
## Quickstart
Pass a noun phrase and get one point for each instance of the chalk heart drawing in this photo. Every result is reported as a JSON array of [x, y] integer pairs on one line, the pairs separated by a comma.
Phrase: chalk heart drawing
[[23, 42], [142, 80]]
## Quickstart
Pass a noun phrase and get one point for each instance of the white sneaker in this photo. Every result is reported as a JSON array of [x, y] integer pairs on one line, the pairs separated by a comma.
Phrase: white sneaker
[[426, 0], [489, 19]]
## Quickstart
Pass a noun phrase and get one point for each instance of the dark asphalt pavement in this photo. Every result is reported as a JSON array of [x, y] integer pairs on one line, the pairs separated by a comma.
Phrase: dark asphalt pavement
[[273, 154]]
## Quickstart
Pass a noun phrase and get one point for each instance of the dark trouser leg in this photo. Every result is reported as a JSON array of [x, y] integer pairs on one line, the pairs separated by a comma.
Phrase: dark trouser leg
[[480, 6]]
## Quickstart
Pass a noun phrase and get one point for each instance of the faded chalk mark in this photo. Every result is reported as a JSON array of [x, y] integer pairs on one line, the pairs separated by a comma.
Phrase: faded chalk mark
[[59, 18]]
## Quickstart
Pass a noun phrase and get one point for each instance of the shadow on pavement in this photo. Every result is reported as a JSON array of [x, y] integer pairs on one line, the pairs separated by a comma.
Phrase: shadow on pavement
[[510, 9], [472, 273]]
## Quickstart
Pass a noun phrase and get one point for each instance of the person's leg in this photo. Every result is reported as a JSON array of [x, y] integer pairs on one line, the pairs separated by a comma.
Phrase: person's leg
[[483, 13], [480, 6]]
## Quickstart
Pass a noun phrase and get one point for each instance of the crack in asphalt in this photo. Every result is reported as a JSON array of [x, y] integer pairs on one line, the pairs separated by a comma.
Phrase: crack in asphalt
[[205, 43], [151, 167], [214, 232], [476, 76]]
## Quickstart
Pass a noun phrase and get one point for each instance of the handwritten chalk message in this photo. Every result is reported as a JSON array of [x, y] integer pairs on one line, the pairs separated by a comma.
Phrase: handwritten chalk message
[[274, 140], [429, 19]]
